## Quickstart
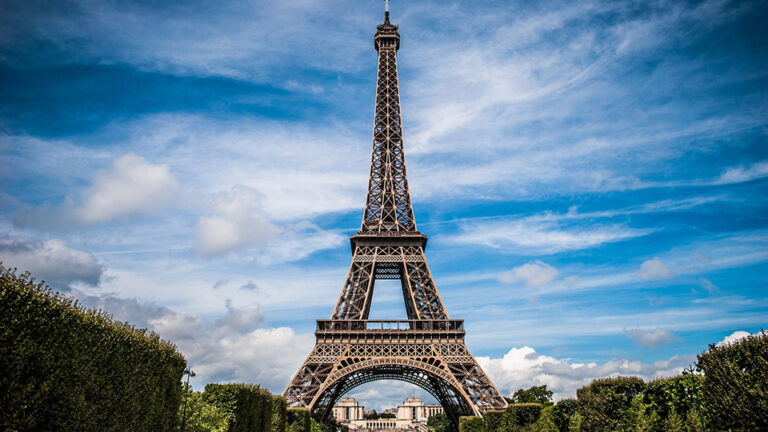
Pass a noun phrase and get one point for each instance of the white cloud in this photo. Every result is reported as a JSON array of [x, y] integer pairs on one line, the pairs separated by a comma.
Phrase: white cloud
[[524, 367], [534, 274], [238, 222], [733, 337], [132, 186], [51, 260], [533, 237], [651, 339], [741, 174], [234, 347], [654, 269]]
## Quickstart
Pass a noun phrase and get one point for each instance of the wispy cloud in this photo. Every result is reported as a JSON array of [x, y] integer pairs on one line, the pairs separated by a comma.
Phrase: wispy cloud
[[651, 339], [531, 237]]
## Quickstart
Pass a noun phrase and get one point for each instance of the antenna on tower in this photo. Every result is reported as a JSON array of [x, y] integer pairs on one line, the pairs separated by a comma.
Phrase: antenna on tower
[[386, 11]]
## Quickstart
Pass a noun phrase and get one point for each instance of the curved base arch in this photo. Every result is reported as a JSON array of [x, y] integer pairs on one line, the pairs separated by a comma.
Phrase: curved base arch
[[448, 395]]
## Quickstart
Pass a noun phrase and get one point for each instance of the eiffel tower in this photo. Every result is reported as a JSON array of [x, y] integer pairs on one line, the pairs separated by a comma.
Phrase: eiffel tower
[[428, 348]]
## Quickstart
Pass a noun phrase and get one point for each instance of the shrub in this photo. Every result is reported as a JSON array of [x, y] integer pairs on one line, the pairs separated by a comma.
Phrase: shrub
[[249, 406], [65, 367], [519, 416], [299, 420], [439, 423], [470, 424], [546, 421], [735, 388], [201, 416], [279, 417], [495, 421], [563, 412], [606, 403], [669, 398]]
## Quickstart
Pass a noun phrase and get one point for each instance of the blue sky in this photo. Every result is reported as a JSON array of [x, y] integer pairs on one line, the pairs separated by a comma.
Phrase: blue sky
[[592, 176]]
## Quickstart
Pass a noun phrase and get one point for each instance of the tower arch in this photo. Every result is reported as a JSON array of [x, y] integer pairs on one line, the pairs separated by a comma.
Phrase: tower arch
[[434, 380]]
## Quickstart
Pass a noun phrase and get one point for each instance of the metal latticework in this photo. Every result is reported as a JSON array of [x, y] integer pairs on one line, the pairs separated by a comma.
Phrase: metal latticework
[[388, 205], [428, 349]]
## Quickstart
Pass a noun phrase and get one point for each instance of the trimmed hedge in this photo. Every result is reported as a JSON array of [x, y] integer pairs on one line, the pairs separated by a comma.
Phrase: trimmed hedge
[[65, 367], [299, 420], [495, 421], [249, 405], [279, 416], [605, 404], [470, 424], [520, 415], [735, 389]]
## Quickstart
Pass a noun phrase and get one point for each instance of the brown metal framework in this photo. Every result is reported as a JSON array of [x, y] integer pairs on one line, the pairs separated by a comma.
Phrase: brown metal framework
[[428, 349]]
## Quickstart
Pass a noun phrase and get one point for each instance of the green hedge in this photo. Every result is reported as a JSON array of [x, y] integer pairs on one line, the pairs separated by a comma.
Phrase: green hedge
[[279, 416], [299, 420], [68, 368], [669, 401], [470, 424], [563, 412], [495, 421], [735, 388], [520, 415], [605, 404], [249, 405]]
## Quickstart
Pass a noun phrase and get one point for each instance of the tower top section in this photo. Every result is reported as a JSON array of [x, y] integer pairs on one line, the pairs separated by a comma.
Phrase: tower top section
[[386, 34]]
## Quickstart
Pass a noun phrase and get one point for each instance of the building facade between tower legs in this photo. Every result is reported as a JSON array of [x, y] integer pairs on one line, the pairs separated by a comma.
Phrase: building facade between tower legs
[[412, 414]]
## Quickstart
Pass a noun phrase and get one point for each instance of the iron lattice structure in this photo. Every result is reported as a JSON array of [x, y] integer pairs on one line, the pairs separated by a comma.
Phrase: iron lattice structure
[[428, 348]]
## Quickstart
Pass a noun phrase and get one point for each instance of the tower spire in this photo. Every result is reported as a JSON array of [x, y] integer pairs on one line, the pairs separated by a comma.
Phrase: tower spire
[[386, 11], [388, 204]]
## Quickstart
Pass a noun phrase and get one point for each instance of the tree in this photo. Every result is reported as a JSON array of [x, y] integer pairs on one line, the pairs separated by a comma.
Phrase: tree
[[735, 388], [373, 415], [605, 404], [563, 412], [546, 421], [202, 416], [535, 394], [439, 423]]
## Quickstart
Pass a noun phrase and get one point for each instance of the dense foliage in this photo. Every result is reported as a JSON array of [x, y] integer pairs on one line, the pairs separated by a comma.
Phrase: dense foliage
[[67, 368], [439, 423], [250, 407], [735, 390], [470, 424], [536, 394], [521, 415], [562, 413], [605, 403], [495, 421], [198, 415], [279, 414], [299, 420]]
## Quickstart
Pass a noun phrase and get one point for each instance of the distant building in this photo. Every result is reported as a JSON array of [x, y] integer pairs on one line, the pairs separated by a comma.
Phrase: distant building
[[412, 414], [348, 410]]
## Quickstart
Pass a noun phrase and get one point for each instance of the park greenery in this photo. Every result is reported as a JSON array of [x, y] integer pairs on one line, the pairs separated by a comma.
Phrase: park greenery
[[66, 367], [728, 392]]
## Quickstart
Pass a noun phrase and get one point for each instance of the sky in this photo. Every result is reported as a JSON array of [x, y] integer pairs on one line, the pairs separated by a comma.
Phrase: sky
[[592, 175]]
